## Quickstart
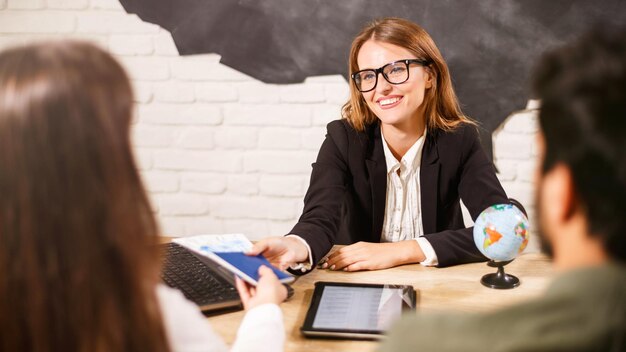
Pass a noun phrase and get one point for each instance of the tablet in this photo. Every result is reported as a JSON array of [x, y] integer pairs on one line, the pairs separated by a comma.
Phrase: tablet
[[356, 311]]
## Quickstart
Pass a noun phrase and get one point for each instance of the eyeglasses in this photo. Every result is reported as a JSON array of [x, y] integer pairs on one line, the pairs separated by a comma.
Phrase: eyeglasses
[[394, 72]]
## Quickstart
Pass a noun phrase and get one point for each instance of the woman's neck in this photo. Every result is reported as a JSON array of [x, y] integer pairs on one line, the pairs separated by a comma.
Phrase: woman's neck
[[401, 138]]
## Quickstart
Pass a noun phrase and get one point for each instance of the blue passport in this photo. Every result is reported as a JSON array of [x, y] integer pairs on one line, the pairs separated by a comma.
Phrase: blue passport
[[247, 267]]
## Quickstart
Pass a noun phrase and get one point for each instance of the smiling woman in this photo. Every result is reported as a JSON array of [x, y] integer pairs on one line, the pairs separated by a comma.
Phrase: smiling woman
[[390, 175]]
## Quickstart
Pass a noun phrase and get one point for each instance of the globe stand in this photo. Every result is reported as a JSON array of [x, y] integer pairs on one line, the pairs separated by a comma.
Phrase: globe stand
[[499, 280]]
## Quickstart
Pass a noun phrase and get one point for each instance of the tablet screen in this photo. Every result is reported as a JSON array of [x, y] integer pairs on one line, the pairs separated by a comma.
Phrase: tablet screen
[[350, 310]]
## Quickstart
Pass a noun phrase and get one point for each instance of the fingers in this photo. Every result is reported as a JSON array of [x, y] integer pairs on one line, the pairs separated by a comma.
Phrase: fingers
[[265, 272], [340, 251], [269, 283], [296, 249], [282, 265], [348, 264], [285, 261], [359, 246], [336, 256], [282, 293], [280, 251], [244, 291], [344, 262], [268, 275], [282, 255], [270, 246], [279, 261], [341, 262], [358, 266], [344, 257], [259, 247]]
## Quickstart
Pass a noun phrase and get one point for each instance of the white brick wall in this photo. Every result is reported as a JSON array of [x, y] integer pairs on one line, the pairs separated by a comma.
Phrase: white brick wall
[[514, 147], [106, 5], [68, 4], [27, 22], [220, 151], [27, 4]]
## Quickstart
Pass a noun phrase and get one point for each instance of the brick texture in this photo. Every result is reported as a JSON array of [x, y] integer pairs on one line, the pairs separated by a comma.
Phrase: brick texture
[[218, 150], [68, 4], [27, 4], [33, 22]]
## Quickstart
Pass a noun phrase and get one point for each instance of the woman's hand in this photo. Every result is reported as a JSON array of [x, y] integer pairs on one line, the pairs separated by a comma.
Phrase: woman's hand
[[374, 256], [281, 251], [268, 289]]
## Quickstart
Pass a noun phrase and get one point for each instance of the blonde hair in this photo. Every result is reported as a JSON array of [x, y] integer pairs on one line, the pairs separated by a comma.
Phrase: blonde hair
[[441, 107]]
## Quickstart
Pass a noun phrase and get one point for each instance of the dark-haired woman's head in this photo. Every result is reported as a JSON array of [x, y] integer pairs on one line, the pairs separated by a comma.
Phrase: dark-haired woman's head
[[78, 271]]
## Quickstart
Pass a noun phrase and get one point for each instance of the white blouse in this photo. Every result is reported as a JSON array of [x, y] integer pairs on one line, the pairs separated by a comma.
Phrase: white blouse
[[188, 330], [403, 207]]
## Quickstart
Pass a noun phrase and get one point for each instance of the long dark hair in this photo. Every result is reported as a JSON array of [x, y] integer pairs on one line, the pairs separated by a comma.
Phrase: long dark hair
[[77, 269]]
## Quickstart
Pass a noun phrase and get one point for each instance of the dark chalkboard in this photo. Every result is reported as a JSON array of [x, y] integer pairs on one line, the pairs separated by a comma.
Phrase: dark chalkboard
[[490, 45]]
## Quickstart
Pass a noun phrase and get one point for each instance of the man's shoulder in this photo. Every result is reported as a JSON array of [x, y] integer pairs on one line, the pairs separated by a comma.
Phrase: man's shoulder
[[592, 281], [533, 325]]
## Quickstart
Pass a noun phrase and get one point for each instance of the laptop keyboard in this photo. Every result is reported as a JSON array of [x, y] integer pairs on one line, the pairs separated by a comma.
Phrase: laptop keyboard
[[198, 282]]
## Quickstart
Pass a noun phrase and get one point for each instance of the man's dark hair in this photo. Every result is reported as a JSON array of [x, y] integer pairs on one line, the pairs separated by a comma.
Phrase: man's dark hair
[[583, 118]]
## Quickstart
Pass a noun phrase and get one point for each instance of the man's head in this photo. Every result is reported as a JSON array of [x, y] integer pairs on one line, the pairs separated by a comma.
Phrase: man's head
[[582, 182]]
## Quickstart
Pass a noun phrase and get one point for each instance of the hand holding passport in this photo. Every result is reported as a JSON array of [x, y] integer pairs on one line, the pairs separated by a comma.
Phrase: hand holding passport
[[228, 251], [247, 267]]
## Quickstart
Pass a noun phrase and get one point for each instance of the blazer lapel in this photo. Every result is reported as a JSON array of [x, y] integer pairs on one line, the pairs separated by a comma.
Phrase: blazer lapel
[[377, 169], [429, 183]]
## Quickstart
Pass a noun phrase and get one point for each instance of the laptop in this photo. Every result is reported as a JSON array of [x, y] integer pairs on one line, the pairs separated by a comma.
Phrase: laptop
[[200, 279]]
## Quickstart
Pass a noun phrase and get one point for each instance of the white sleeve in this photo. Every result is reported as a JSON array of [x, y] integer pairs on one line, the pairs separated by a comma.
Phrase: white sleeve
[[186, 328], [429, 252], [262, 329]]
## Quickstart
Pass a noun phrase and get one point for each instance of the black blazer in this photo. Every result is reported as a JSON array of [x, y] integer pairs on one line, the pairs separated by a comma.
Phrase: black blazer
[[345, 202]]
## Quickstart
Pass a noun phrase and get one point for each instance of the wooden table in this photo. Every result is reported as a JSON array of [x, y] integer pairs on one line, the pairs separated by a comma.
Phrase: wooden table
[[456, 288]]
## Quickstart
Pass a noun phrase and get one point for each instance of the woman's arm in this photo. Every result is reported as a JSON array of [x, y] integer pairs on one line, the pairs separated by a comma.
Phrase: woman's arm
[[188, 330], [185, 326], [374, 256], [319, 223], [479, 188], [263, 323]]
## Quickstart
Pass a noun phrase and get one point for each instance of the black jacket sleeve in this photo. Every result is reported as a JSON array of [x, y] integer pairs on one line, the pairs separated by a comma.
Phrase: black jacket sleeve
[[479, 188], [319, 223]]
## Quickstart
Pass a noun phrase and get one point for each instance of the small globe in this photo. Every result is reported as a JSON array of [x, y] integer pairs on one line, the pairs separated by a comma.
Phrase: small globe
[[501, 232]]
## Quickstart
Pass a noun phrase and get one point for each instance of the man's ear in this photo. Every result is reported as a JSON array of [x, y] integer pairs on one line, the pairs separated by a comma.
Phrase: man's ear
[[560, 193]]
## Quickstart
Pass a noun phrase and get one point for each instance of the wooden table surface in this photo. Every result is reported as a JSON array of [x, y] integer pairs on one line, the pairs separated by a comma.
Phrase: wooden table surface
[[455, 288]]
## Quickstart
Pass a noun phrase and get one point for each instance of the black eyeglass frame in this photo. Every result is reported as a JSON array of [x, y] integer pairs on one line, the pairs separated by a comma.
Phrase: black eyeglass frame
[[380, 70]]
